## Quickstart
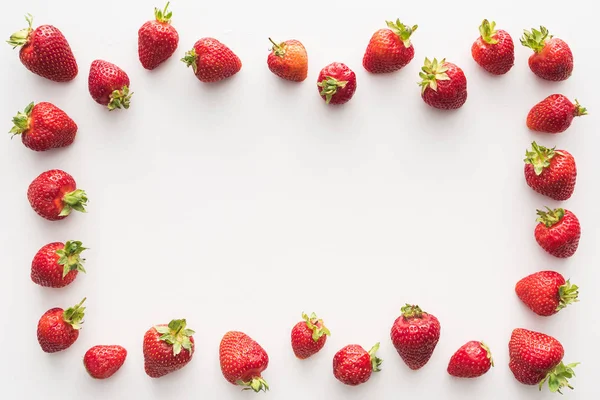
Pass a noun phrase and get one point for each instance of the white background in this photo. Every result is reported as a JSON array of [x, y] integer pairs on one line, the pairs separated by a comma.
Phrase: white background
[[238, 205]]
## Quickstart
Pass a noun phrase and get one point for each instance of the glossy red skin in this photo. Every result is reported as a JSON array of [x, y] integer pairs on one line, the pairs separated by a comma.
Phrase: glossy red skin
[[561, 239], [104, 79], [46, 192], [497, 59], [470, 361], [158, 355], [302, 342], [293, 66], [556, 181], [415, 339], [241, 358], [451, 94], [554, 114], [48, 54], [215, 61], [53, 333], [386, 53], [49, 128], [533, 355], [554, 62], [352, 365], [157, 41], [341, 72], [45, 270], [540, 292], [101, 362]]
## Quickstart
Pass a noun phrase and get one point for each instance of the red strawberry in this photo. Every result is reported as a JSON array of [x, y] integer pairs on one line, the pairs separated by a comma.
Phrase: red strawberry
[[558, 232], [212, 61], [546, 292], [472, 360], [309, 336], [389, 49], [336, 83], [550, 172], [352, 365], [57, 264], [54, 194], [58, 329], [552, 58], [443, 85], [494, 50], [101, 362], [554, 114], [45, 52], [242, 361], [536, 358], [415, 334], [109, 85], [157, 39], [44, 126], [167, 348], [288, 60]]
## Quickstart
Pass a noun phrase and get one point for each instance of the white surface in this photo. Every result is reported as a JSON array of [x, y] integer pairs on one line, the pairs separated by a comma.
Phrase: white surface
[[238, 205]]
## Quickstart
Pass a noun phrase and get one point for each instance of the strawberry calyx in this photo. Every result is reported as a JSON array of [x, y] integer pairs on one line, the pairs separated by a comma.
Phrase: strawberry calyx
[[75, 200], [568, 295], [257, 384], [433, 71], [21, 37], [550, 217], [74, 315], [316, 325], [375, 361], [278, 49], [70, 257], [559, 376], [534, 39], [177, 335], [21, 120], [488, 351], [487, 30], [120, 98], [539, 157], [163, 16], [329, 86], [403, 31], [579, 110], [411, 311], [190, 59]]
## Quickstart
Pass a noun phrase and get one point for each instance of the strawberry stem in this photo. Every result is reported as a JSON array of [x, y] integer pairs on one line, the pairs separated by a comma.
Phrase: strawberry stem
[[120, 99], [69, 257], [330, 87], [21, 120], [559, 377], [579, 110], [433, 71], [375, 361], [316, 325], [21, 37], [177, 335], [411, 311], [163, 16], [536, 40], [568, 294], [278, 49], [74, 315], [487, 30], [257, 384], [75, 200], [550, 217], [190, 59], [539, 157], [404, 32], [488, 351]]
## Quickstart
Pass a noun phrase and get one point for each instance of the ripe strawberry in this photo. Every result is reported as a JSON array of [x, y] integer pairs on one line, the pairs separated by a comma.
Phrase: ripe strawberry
[[57, 264], [352, 365], [389, 49], [558, 232], [536, 358], [443, 85], [494, 50], [58, 329], [101, 362], [242, 361], [336, 83], [44, 126], [167, 348], [288, 60], [212, 61], [309, 336], [45, 52], [157, 39], [552, 58], [550, 172], [415, 334], [554, 114], [472, 360], [109, 85], [546, 292], [54, 194]]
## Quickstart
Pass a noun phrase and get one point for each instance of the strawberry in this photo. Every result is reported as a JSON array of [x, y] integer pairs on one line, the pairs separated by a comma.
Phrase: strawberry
[[389, 49], [558, 232], [157, 39], [546, 292], [352, 365], [58, 329], [109, 85], [336, 83], [536, 358], [443, 85], [309, 336], [550, 172], [552, 58], [242, 361], [472, 360], [56, 264], [45, 52], [554, 114], [167, 348], [415, 334], [288, 60], [54, 194], [101, 362], [44, 126], [493, 50], [212, 61]]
